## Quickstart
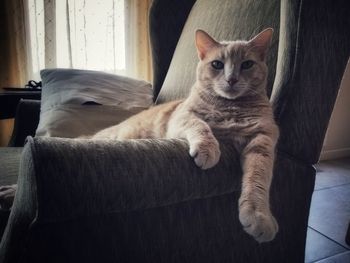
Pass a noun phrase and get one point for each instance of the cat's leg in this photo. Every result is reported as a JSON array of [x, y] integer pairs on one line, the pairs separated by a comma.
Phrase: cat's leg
[[107, 133], [120, 132], [254, 208], [204, 147]]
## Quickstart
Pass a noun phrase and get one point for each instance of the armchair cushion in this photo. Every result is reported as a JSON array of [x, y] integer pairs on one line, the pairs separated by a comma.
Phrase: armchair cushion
[[73, 101], [134, 174]]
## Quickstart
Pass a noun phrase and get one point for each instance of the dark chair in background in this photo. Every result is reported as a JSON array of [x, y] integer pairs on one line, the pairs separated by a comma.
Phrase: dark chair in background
[[145, 200]]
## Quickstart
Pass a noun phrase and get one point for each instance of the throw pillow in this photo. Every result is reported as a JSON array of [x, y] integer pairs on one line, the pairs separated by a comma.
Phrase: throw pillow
[[81, 102]]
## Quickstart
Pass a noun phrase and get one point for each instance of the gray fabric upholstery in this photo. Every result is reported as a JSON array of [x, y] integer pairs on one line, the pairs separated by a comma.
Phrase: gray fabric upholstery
[[224, 20], [136, 174], [22, 213], [149, 209], [9, 160], [167, 19], [312, 55]]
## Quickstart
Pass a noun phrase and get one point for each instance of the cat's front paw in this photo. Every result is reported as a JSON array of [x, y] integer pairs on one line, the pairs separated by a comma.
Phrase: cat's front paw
[[206, 153], [259, 224]]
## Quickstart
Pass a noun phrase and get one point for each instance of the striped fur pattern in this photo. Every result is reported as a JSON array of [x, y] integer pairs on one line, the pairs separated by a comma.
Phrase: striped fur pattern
[[228, 102]]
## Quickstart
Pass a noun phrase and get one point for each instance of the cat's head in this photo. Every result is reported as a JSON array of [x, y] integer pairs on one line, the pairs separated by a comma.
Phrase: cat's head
[[233, 69]]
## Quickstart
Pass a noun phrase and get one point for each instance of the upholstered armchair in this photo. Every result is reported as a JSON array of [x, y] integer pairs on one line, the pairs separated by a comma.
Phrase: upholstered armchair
[[145, 200]]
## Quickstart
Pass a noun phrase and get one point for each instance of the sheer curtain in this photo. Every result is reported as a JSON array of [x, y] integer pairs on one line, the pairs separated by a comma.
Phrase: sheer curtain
[[106, 35]]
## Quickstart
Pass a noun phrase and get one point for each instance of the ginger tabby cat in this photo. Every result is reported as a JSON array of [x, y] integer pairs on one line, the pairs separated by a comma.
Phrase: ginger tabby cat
[[227, 102]]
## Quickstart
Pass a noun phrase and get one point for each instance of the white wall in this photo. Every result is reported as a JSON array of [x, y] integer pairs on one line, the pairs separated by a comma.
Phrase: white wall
[[337, 141]]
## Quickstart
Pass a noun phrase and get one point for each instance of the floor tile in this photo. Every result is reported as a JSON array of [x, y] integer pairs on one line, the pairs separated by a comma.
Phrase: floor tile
[[330, 212], [332, 173], [340, 258], [319, 247]]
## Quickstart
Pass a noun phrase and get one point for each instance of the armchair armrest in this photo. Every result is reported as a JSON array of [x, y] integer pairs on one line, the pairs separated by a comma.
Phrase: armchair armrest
[[119, 176], [26, 121], [63, 180], [145, 201]]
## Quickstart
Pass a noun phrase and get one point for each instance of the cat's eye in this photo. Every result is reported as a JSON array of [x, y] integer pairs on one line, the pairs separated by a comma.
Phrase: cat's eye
[[217, 64], [247, 64]]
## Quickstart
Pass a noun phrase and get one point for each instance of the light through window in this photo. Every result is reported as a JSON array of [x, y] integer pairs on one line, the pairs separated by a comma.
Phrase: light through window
[[86, 34]]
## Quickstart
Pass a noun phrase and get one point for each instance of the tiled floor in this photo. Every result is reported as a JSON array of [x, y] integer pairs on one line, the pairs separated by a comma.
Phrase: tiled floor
[[330, 214]]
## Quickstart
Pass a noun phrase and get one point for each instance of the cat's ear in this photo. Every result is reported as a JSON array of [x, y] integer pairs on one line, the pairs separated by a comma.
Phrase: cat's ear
[[204, 43], [261, 42]]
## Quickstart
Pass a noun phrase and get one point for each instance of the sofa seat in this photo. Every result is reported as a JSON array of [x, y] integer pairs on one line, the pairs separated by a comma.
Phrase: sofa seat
[[9, 163], [9, 167]]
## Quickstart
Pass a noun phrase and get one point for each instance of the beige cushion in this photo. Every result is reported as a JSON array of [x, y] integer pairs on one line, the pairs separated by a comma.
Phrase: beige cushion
[[72, 121], [224, 20], [68, 93]]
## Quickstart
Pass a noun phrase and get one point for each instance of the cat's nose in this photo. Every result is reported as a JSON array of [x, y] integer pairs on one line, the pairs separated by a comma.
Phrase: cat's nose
[[232, 81]]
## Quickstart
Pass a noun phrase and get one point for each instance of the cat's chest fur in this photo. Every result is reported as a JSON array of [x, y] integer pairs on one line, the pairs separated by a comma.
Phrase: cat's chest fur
[[231, 122]]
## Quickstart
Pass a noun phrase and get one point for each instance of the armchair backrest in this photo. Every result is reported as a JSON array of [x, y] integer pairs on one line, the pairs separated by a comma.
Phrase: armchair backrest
[[306, 61], [166, 20], [314, 48], [224, 20]]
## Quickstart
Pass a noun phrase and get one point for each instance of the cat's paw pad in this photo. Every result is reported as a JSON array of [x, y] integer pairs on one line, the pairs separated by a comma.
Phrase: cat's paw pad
[[206, 153], [261, 225]]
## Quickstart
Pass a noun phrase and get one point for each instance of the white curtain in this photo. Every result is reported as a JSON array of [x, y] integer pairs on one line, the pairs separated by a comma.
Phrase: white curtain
[[89, 34]]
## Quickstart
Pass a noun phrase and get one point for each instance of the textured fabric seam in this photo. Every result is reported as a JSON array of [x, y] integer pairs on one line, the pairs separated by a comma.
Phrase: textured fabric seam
[[291, 157], [291, 76], [70, 218], [30, 141], [297, 39]]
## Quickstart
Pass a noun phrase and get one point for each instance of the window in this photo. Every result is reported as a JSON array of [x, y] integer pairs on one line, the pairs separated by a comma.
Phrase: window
[[86, 34]]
